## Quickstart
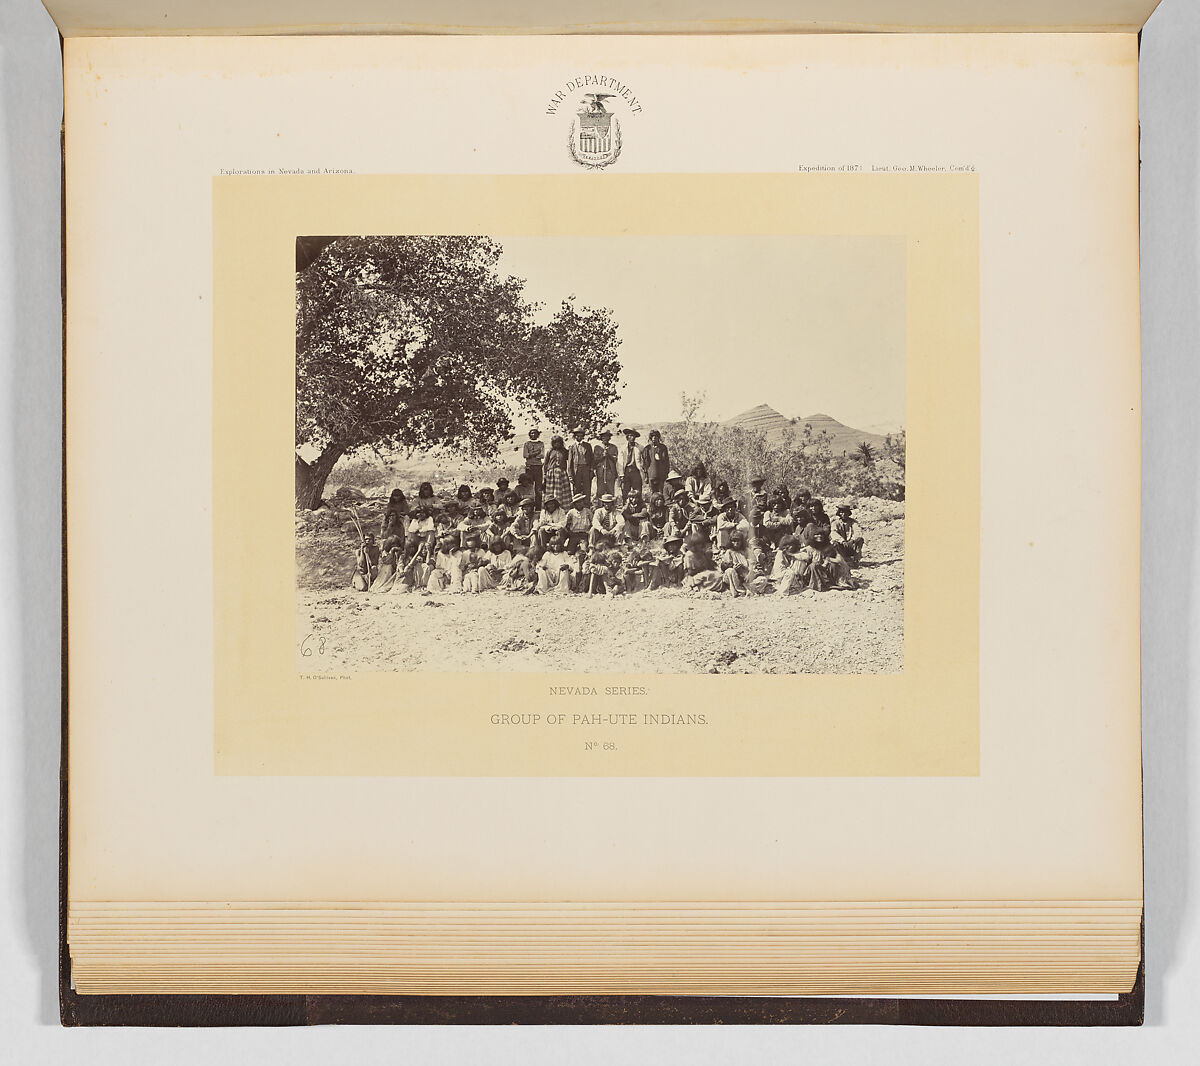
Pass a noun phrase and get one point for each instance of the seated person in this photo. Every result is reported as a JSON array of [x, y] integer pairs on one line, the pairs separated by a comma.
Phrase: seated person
[[366, 561], [668, 568], [826, 568], [521, 530], [422, 513], [476, 521], [556, 569], [657, 516], [636, 515], [679, 515], [734, 565], [699, 485], [607, 521], [637, 564], [389, 560], [446, 574], [474, 562], [729, 521], [509, 506], [777, 523], [602, 571], [846, 538], [550, 523], [578, 522], [415, 568], [699, 570]]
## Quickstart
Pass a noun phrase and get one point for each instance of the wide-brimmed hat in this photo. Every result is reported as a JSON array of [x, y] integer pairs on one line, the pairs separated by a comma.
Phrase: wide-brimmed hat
[[845, 509], [534, 431], [629, 431], [608, 497], [551, 500], [757, 481], [501, 481], [605, 432], [527, 502], [677, 493], [674, 538], [578, 429], [579, 496], [729, 501]]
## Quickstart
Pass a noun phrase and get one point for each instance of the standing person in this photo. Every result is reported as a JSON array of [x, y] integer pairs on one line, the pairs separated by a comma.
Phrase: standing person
[[534, 454], [604, 461], [578, 523], [629, 462], [579, 464], [656, 462], [557, 484]]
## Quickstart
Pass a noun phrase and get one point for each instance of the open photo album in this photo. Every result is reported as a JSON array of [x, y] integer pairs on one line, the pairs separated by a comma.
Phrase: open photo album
[[697, 592]]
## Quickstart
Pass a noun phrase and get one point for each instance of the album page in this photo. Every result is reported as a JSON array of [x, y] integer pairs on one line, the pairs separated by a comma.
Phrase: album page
[[707, 465]]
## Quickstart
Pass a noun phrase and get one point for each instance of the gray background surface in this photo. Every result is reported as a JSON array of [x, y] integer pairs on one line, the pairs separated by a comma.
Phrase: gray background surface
[[30, 420]]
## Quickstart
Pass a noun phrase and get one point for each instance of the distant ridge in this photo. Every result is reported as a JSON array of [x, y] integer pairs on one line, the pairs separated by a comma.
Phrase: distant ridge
[[764, 419]]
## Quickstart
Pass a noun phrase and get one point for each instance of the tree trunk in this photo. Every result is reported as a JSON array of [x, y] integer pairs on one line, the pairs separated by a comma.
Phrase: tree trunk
[[311, 477]]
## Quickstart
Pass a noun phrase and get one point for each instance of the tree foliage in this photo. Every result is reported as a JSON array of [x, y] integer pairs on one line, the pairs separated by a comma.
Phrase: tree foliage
[[420, 342]]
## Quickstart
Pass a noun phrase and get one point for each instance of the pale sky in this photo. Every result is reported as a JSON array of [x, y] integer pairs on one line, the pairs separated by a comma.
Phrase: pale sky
[[806, 324]]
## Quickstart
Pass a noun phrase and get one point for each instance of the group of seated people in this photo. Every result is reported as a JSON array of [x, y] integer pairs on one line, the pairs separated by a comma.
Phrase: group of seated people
[[698, 539]]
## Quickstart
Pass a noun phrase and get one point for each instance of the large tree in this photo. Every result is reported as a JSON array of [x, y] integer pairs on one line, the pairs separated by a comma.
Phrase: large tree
[[418, 342]]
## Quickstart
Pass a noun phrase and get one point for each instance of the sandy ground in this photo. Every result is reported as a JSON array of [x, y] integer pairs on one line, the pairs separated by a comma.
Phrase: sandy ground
[[671, 631]]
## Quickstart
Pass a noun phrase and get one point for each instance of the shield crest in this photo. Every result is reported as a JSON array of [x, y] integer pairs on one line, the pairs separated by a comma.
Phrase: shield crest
[[595, 139]]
